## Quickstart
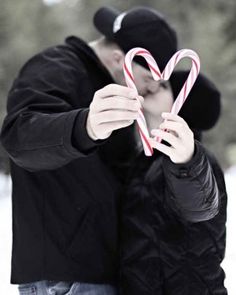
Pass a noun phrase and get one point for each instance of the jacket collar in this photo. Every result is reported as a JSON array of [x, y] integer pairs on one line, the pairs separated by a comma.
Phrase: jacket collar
[[87, 53]]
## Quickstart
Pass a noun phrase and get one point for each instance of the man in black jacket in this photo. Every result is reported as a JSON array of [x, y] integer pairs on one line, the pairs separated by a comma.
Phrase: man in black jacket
[[64, 132]]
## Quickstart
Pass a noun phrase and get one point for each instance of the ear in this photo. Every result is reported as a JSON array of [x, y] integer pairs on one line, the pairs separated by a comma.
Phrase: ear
[[118, 58]]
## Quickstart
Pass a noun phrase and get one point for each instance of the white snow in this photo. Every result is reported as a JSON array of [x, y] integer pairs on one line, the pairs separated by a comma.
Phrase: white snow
[[229, 263], [51, 2], [5, 237]]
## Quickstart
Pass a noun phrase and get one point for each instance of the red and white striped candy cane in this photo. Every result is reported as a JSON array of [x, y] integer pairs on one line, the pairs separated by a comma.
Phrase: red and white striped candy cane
[[184, 92], [157, 75], [129, 77]]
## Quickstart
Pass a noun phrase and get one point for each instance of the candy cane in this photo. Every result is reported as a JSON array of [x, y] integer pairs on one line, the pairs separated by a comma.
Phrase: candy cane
[[129, 77], [157, 75]]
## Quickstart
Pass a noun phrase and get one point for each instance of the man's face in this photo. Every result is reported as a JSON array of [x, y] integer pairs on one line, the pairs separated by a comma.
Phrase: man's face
[[143, 80], [158, 96]]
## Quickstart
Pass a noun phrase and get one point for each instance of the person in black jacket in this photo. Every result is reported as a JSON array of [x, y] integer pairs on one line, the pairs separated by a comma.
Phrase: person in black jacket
[[170, 244], [64, 132]]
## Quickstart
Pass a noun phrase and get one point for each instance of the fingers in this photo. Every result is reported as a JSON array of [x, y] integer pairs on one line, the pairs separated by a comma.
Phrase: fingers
[[115, 125], [119, 102], [114, 115], [179, 136], [177, 127], [161, 147], [170, 138], [173, 117], [114, 89], [113, 107]]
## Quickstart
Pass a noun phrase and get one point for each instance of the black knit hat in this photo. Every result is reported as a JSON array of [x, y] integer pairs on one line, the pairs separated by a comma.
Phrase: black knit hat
[[202, 108], [138, 27]]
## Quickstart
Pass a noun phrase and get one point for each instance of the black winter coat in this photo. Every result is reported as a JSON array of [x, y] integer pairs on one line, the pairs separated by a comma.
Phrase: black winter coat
[[172, 229], [65, 197]]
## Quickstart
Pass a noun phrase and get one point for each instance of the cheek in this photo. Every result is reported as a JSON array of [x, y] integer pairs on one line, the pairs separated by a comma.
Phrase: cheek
[[139, 79], [152, 105], [159, 103], [119, 77], [140, 83], [167, 99], [170, 99]]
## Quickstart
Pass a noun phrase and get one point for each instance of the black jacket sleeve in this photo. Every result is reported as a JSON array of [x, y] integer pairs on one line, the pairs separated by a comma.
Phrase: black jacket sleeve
[[43, 128], [192, 186], [146, 217]]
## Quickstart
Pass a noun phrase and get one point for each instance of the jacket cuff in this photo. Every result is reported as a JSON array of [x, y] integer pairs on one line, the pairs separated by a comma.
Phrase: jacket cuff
[[80, 138], [199, 216], [182, 170]]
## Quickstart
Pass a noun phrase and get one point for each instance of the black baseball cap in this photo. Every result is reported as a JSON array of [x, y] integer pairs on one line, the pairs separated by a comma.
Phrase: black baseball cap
[[140, 26], [202, 108]]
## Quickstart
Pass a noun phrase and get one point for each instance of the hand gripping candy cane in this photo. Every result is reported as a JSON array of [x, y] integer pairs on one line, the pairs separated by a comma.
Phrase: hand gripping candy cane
[[157, 75]]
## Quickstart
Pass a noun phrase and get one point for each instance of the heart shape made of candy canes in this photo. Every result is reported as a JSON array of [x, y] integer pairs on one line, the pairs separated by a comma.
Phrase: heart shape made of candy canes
[[158, 75]]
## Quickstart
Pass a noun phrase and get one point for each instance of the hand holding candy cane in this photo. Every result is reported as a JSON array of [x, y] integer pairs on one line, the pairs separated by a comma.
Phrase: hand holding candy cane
[[113, 107], [180, 138]]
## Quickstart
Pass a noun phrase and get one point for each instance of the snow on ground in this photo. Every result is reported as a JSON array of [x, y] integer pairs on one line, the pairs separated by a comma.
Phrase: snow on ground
[[229, 263], [5, 237]]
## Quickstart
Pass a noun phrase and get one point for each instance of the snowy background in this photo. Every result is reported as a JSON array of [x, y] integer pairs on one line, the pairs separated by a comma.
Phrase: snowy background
[[229, 263]]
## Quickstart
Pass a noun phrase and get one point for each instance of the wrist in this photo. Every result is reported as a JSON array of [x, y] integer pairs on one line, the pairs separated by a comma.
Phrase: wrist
[[89, 130]]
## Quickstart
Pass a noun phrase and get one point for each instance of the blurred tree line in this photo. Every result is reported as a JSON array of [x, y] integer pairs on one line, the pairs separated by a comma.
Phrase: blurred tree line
[[209, 27]]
